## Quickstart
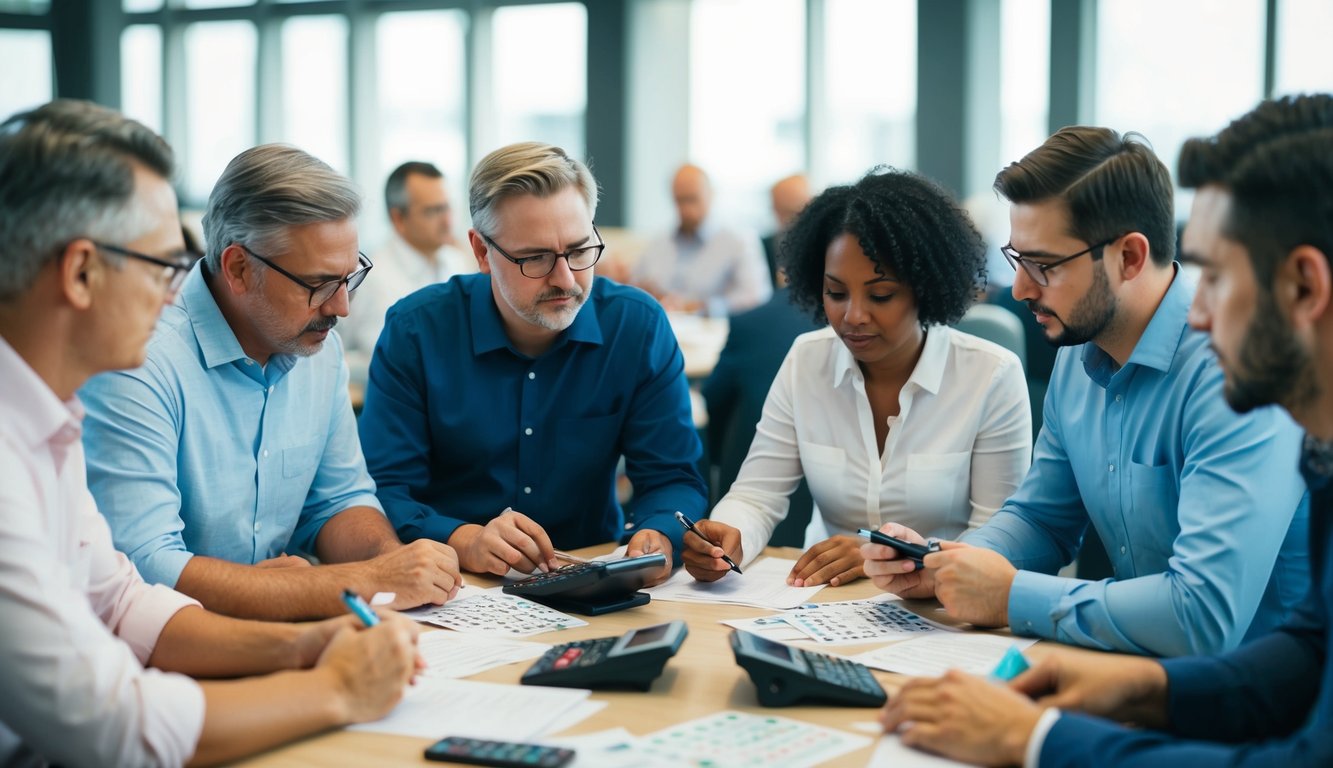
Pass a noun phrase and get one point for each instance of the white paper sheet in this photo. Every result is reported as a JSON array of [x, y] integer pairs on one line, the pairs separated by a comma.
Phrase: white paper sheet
[[773, 628], [437, 707], [932, 656], [457, 654], [490, 611], [764, 584], [732, 738], [890, 752], [863, 621], [614, 748]]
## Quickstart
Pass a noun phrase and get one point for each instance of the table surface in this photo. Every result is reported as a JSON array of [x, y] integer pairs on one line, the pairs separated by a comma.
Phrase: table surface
[[700, 680]]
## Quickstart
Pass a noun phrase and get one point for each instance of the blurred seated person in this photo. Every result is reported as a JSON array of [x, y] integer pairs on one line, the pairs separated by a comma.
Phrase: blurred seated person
[[790, 196], [888, 412], [422, 250], [702, 266], [501, 403]]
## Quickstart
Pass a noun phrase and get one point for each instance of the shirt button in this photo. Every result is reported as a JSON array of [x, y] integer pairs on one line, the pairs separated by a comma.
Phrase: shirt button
[[527, 489], [527, 431], [531, 375], [249, 362], [257, 527], [272, 387], [264, 453], [1122, 550], [1118, 398], [1111, 467]]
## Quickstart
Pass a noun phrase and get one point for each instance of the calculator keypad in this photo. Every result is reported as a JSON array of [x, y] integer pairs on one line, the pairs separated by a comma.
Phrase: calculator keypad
[[843, 673]]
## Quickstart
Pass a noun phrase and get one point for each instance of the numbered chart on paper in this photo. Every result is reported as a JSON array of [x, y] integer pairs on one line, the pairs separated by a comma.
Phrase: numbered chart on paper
[[493, 612], [861, 621], [737, 739]]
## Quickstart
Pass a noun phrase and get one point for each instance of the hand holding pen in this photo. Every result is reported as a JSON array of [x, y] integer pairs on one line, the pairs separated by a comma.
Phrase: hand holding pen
[[698, 555]]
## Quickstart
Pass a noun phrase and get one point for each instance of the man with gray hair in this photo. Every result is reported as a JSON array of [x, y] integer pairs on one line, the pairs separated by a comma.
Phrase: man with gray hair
[[499, 403], [95, 664], [233, 448]]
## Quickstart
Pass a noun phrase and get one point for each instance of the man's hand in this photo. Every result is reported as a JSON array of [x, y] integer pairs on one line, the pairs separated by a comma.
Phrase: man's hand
[[894, 573], [646, 542], [511, 540], [972, 583], [703, 560], [836, 560], [1125, 688], [370, 667], [424, 571], [963, 717]]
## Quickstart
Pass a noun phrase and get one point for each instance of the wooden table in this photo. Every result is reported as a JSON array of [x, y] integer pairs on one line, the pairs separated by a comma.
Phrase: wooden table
[[700, 680]]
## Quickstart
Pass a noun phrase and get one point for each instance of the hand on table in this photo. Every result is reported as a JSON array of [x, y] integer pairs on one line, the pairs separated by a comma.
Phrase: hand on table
[[511, 540], [646, 542], [836, 561], [963, 717], [703, 560]]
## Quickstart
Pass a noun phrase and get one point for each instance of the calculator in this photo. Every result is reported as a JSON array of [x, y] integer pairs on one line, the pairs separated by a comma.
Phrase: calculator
[[633, 660], [592, 588], [783, 675]]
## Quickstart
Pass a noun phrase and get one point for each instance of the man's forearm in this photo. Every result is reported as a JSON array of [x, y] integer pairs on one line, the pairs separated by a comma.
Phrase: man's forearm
[[354, 534], [201, 644], [270, 594]]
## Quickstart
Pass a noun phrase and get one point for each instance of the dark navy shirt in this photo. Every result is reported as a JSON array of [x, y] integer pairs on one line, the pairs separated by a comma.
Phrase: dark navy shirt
[[458, 425]]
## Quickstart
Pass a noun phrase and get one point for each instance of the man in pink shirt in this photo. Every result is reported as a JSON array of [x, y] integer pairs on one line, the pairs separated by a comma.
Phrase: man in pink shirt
[[96, 666]]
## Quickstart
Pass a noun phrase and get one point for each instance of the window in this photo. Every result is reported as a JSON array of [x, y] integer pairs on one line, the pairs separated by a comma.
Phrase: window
[[1025, 76], [314, 87], [747, 101], [540, 76], [1304, 28], [870, 87], [27, 51], [219, 101], [1169, 85], [141, 74]]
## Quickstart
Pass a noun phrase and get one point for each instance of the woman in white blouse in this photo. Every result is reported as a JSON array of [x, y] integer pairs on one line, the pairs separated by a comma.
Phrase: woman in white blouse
[[888, 413]]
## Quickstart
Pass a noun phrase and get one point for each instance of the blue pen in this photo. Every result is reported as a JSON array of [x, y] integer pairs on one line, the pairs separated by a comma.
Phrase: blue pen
[[1011, 665], [358, 606]]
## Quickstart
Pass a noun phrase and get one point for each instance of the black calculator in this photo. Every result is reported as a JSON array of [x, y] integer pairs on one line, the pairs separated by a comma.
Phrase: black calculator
[[592, 588], [633, 660], [783, 675]]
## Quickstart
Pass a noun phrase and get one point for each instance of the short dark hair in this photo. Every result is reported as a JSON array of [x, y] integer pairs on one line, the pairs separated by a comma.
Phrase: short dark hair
[[1277, 163], [395, 189], [1111, 184], [904, 223], [67, 171]]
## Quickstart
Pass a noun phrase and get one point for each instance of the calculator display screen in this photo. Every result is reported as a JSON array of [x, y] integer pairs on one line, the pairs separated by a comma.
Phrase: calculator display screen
[[647, 636], [776, 653]]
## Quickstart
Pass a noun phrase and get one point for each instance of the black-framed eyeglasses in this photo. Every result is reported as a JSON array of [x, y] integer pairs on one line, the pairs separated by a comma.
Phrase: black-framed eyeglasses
[[325, 290], [1037, 270], [540, 265], [173, 271]]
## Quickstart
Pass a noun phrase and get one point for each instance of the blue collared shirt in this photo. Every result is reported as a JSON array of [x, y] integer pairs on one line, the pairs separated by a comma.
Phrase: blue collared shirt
[[458, 425], [204, 451], [1202, 510]]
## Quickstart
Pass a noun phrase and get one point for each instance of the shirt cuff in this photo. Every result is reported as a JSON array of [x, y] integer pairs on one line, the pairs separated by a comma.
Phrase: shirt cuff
[[173, 715], [143, 623], [1038, 737], [163, 566], [1030, 599]]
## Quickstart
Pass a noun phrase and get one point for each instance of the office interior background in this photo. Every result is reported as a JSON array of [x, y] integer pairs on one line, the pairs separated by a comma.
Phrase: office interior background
[[751, 90]]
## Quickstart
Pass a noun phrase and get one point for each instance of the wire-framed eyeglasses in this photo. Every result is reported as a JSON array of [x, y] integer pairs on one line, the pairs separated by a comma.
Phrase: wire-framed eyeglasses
[[323, 291], [540, 265], [1037, 269], [174, 270]]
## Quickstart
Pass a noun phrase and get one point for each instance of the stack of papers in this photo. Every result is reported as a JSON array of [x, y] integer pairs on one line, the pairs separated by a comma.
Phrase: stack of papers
[[436, 707], [764, 584], [973, 652], [845, 623], [491, 611], [738, 739], [454, 654]]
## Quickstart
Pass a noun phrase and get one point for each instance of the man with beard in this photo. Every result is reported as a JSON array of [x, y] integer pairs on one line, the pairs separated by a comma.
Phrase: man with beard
[[500, 403], [233, 448], [1202, 512], [1261, 232]]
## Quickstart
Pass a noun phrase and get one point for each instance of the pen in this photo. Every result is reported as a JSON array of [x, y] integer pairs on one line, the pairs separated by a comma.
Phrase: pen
[[358, 606], [689, 526], [568, 558]]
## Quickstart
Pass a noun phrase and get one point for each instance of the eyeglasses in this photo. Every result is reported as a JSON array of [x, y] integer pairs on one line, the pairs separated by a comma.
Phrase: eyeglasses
[[540, 265], [325, 290], [173, 272], [1037, 270]]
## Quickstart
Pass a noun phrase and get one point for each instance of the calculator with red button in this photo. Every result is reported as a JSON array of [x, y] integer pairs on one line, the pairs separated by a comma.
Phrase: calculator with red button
[[633, 660]]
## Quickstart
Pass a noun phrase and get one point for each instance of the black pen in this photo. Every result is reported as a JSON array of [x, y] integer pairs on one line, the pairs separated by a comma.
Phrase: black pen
[[689, 526]]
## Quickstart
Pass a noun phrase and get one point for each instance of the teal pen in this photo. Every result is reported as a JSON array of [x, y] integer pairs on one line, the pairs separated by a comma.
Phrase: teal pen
[[358, 606], [1011, 665]]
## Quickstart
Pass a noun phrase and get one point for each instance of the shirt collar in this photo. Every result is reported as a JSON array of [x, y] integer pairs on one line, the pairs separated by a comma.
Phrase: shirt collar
[[217, 341], [1160, 341], [488, 333], [929, 370], [35, 414]]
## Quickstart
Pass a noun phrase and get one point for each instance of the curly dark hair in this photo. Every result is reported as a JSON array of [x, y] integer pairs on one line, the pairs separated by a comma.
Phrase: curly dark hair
[[905, 223]]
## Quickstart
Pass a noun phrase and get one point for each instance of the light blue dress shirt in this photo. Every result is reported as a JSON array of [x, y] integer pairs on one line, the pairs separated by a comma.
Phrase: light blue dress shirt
[[204, 451], [1203, 511]]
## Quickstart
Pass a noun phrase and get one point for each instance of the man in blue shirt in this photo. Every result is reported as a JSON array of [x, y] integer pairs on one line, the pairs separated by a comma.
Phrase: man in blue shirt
[[500, 403], [1260, 231], [233, 448], [1202, 511]]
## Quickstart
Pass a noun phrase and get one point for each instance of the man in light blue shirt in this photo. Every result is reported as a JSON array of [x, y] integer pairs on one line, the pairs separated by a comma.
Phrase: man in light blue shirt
[[234, 446], [1202, 511]]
